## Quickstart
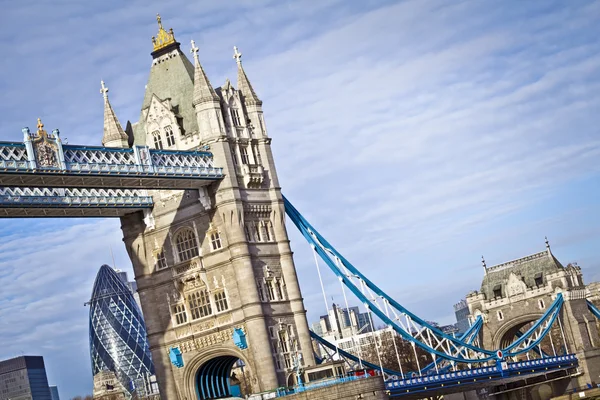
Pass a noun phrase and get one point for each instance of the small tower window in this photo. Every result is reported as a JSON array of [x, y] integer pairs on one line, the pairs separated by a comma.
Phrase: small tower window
[[257, 154], [179, 313], [261, 292], [235, 115], [234, 157], [539, 280], [257, 233], [215, 240], [541, 304], [500, 316], [170, 136], [186, 245], [270, 290], [161, 260], [157, 140], [244, 154], [265, 231], [498, 292], [279, 289], [221, 301], [199, 303]]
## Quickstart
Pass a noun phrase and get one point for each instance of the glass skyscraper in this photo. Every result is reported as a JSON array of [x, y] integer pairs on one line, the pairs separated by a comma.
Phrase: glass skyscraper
[[24, 378], [118, 340]]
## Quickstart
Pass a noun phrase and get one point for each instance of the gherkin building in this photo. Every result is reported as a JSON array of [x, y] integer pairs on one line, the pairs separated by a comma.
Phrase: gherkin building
[[118, 340]]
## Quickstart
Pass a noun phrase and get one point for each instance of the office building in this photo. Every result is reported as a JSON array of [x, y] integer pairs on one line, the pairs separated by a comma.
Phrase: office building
[[24, 378]]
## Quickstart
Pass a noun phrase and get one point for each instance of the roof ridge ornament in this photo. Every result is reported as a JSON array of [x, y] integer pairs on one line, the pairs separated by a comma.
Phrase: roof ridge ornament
[[194, 50], [237, 56], [163, 38], [547, 243], [103, 90]]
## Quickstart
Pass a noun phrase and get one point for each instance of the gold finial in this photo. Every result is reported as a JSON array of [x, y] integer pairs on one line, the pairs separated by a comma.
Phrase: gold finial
[[40, 125], [163, 38], [40, 128]]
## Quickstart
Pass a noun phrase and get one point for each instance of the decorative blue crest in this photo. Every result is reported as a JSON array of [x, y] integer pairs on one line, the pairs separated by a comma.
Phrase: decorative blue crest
[[176, 357], [239, 338]]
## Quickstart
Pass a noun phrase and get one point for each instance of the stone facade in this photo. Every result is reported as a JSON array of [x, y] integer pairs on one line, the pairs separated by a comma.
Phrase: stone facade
[[367, 388], [216, 259], [516, 293]]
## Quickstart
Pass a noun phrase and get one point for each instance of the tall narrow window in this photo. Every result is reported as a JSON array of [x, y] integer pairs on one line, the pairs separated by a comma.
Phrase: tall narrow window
[[500, 316], [199, 304], [244, 154], [279, 289], [235, 116], [170, 136], [157, 140], [257, 154], [221, 301], [234, 157], [256, 233], [283, 341], [247, 231], [265, 231], [179, 313], [161, 260], [215, 241], [541, 304], [186, 245], [270, 290], [261, 292]]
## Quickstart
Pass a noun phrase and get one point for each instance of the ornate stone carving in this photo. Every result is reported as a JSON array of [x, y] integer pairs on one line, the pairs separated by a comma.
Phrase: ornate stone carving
[[515, 285], [46, 152]]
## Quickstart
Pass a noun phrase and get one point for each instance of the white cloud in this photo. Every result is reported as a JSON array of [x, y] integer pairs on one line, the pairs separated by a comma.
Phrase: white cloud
[[425, 133]]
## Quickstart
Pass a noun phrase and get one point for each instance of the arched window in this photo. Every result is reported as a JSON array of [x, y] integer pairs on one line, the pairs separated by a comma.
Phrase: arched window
[[215, 241], [221, 301], [186, 245], [199, 304], [170, 136], [157, 140], [179, 313]]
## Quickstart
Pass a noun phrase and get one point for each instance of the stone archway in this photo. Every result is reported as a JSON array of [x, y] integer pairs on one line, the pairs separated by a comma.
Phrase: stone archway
[[507, 333], [217, 373]]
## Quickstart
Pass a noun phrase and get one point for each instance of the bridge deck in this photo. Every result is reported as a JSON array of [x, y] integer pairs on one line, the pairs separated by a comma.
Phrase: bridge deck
[[458, 381], [19, 202]]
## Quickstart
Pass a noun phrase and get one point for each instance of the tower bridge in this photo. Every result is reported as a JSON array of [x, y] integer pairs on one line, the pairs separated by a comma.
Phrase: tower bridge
[[195, 186]]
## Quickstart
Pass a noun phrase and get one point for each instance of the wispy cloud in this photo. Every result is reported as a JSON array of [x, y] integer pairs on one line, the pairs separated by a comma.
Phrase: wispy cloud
[[417, 135]]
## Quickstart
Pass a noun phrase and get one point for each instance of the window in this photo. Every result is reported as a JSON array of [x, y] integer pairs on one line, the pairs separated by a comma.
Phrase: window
[[179, 313], [161, 260], [170, 136], [279, 289], [215, 241], [257, 154], [247, 231], [256, 233], [283, 341], [157, 140], [235, 116], [186, 245], [265, 230], [270, 290], [244, 154], [261, 292], [500, 316], [541, 304], [199, 304], [221, 301], [498, 292], [539, 280], [234, 157]]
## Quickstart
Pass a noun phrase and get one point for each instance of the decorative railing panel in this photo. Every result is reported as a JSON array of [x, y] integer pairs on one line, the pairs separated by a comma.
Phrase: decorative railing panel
[[59, 197]]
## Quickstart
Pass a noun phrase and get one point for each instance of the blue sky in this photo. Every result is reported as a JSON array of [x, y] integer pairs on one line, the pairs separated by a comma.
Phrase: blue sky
[[416, 136]]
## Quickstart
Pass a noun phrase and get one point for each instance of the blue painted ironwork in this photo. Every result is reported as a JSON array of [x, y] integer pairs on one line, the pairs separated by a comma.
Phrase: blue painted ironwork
[[476, 375], [239, 338], [23, 197], [176, 357], [212, 379], [407, 324], [43, 153], [593, 309]]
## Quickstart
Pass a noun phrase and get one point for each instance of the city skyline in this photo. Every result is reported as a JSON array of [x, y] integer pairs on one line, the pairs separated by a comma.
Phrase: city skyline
[[513, 128]]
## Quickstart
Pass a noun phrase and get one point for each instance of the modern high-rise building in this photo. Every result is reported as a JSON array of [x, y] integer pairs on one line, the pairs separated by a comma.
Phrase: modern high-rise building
[[24, 378], [342, 323], [54, 393], [118, 340], [461, 310]]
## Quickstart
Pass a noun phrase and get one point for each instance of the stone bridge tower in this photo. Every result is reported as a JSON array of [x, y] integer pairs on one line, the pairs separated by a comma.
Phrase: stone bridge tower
[[516, 293], [214, 268]]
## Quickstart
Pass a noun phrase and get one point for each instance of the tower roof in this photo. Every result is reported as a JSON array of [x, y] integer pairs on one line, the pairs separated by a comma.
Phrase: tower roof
[[112, 128], [243, 82], [203, 90]]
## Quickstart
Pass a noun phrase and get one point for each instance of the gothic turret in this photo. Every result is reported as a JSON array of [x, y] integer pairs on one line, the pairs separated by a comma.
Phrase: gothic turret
[[114, 136], [244, 85], [206, 102]]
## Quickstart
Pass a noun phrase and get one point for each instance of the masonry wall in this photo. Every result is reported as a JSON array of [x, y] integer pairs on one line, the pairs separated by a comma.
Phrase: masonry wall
[[369, 388]]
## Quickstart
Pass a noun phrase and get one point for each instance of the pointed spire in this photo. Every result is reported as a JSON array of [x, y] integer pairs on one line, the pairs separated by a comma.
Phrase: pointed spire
[[203, 91], [547, 243], [484, 264], [243, 83], [114, 136]]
